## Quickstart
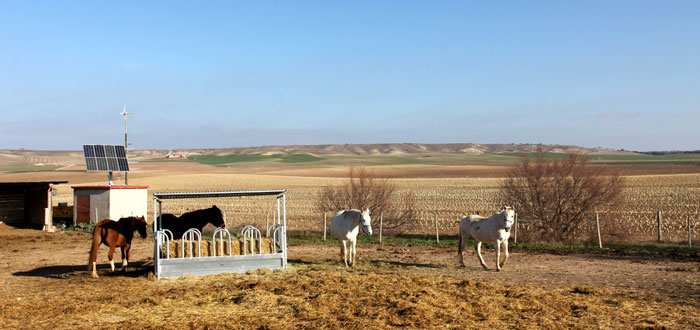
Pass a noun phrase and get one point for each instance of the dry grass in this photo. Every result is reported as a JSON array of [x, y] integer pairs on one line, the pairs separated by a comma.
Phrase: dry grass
[[46, 285], [324, 296]]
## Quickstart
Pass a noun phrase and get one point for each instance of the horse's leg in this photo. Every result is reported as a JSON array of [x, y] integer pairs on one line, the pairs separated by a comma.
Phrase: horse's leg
[[111, 255], [478, 254], [460, 248], [505, 249], [498, 255], [125, 253], [353, 251], [344, 249], [92, 260]]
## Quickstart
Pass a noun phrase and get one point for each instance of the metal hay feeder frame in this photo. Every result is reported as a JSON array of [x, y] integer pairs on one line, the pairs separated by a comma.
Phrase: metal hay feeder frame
[[166, 267]]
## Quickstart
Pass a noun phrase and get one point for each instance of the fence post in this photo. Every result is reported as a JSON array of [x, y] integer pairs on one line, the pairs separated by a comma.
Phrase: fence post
[[437, 235], [597, 227], [324, 226], [515, 231], [690, 243], [267, 221], [381, 225], [658, 223]]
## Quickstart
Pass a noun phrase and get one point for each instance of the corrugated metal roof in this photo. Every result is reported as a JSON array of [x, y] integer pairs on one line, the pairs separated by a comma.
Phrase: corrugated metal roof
[[31, 183], [210, 194]]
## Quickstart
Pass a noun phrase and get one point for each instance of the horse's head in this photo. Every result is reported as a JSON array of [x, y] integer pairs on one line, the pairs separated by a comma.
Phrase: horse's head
[[140, 225], [218, 218], [508, 217], [366, 222]]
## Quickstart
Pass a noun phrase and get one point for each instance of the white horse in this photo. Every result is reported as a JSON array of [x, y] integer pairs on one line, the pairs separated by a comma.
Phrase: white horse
[[492, 229], [345, 226]]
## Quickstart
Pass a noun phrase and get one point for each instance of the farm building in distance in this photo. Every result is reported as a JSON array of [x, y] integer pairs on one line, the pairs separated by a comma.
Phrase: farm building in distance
[[94, 203], [27, 204]]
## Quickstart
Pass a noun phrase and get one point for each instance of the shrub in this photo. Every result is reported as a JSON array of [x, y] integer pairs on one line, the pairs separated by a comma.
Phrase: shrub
[[363, 190], [556, 195], [83, 227]]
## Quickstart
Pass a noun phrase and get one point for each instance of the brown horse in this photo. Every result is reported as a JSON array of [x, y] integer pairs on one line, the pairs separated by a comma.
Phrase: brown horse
[[195, 219], [115, 234]]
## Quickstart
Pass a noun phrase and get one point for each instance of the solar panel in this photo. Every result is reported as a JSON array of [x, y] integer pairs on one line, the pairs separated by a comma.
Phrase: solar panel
[[105, 158]]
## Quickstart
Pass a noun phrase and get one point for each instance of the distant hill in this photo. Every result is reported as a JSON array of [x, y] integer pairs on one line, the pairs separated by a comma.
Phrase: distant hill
[[395, 148], [70, 157]]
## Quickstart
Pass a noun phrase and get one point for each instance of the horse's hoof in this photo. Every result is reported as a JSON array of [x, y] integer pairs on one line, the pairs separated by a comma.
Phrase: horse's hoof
[[95, 276]]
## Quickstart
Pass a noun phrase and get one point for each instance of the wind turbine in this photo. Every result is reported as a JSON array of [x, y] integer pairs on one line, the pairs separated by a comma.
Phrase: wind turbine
[[126, 141]]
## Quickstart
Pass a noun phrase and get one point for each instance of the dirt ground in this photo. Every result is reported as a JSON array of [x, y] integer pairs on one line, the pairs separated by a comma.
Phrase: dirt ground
[[45, 283]]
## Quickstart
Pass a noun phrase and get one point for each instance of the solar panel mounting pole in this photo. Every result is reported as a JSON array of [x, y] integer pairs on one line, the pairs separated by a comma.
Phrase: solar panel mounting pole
[[126, 143]]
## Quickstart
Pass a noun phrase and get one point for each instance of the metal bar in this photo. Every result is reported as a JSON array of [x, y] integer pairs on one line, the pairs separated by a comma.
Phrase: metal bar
[[160, 215], [284, 228], [156, 257]]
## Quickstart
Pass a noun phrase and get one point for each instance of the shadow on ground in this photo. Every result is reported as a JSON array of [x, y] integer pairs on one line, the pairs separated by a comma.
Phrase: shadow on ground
[[135, 269], [380, 262]]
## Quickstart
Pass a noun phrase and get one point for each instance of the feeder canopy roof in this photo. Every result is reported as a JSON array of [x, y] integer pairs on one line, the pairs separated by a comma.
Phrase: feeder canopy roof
[[210, 194]]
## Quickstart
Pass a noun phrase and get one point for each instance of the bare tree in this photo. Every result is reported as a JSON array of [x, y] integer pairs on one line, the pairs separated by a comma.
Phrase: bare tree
[[557, 195], [364, 190]]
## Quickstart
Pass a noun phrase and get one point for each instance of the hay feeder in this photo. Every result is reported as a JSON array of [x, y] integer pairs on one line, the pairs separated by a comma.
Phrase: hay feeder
[[190, 255]]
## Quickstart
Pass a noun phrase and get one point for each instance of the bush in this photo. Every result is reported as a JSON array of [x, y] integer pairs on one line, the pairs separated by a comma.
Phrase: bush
[[363, 190], [555, 196]]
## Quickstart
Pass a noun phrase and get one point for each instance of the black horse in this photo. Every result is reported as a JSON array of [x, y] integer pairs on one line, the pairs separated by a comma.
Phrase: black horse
[[195, 219]]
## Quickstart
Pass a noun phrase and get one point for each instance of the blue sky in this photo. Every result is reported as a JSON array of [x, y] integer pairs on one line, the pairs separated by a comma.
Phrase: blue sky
[[614, 74]]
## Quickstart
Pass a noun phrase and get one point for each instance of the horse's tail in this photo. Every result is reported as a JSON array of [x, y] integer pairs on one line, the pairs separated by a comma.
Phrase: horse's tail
[[96, 241]]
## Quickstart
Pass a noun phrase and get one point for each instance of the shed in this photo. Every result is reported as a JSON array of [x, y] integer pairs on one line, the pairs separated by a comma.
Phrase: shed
[[27, 204], [94, 203]]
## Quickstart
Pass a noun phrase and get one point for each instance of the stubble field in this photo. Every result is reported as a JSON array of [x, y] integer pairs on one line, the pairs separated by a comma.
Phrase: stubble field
[[445, 192]]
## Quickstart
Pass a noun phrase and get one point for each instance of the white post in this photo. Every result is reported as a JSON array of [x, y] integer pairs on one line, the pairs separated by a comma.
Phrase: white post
[[437, 235], [381, 225], [515, 231], [658, 223], [690, 243], [278, 211], [597, 227], [324, 226]]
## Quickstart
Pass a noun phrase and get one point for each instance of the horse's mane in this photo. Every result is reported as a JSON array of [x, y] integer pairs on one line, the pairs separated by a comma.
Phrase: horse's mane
[[198, 212], [351, 214]]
